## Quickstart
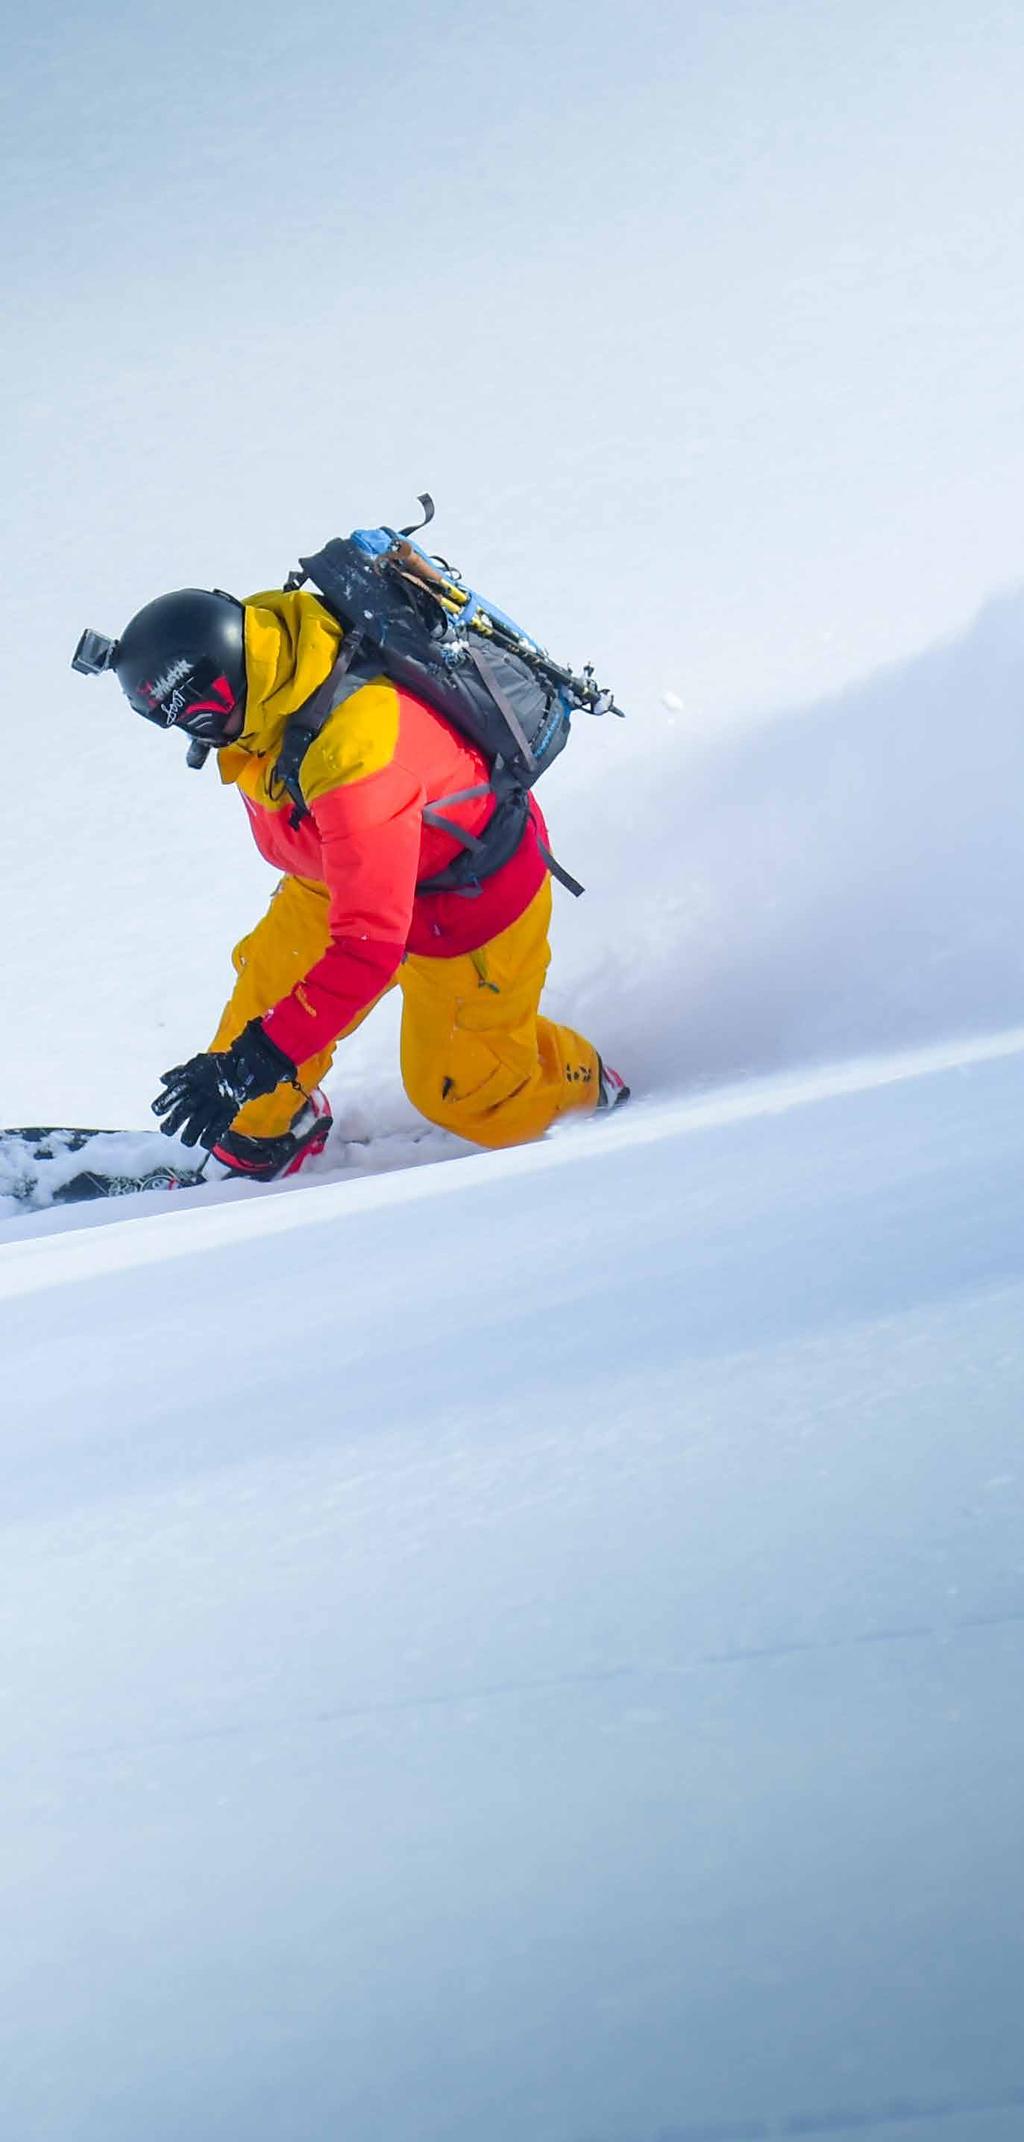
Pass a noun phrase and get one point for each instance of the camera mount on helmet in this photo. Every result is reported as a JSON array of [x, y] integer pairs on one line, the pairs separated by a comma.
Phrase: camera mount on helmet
[[93, 654]]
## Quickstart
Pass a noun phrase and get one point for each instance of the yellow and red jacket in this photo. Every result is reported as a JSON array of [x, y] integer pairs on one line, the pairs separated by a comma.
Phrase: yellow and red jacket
[[381, 757]]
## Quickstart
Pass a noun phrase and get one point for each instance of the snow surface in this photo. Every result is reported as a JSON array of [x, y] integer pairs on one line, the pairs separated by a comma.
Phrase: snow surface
[[529, 1645]]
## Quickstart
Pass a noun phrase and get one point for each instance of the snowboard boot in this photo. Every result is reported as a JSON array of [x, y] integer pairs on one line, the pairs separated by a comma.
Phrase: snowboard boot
[[263, 1159], [612, 1090]]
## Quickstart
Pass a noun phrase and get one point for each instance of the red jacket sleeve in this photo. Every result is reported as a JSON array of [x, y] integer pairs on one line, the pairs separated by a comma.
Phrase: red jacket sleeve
[[369, 834]]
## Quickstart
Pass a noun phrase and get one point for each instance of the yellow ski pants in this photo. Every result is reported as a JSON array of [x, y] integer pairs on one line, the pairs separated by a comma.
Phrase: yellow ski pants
[[476, 1056]]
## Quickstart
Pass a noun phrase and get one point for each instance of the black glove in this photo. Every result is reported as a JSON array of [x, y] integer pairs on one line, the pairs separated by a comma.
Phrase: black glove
[[203, 1097]]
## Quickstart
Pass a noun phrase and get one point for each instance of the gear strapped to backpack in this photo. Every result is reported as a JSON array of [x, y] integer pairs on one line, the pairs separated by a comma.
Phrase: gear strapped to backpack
[[408, 617]]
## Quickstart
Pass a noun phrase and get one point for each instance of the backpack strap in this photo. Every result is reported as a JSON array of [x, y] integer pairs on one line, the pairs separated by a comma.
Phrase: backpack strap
[[433, 815], [487, 852], [483, 853], [559, 871], [501, 700], [349, 673]]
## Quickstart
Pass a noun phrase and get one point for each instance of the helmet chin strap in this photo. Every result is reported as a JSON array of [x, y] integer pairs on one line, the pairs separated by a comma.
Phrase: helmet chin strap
[[197, 754]]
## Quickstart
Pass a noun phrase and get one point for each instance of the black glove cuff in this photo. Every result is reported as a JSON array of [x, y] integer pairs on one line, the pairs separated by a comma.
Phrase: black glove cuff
[[256, 1047]]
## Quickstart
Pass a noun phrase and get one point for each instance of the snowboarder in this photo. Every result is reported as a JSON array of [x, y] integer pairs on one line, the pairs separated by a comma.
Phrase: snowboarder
[[356, 911]]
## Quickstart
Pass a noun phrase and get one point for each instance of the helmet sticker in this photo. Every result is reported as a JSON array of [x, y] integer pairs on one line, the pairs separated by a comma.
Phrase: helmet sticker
[[177, 691], [161, 691]]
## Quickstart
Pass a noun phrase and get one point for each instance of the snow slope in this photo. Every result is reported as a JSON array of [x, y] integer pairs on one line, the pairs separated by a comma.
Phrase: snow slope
[[531, 1647]]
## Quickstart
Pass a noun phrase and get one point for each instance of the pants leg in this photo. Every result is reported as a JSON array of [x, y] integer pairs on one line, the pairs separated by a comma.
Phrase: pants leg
[[292, 935], [477, 1058]]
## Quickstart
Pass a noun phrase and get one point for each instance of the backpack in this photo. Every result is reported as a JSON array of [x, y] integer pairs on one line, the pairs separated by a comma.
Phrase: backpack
[[408, 616]]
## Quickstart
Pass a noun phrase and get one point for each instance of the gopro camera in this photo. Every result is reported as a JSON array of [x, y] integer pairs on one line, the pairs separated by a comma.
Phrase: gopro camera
[[93, 654]]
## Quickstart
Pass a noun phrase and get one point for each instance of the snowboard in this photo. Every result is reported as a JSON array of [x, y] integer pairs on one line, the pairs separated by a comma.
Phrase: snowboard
[[55, 1165], [51, 1165]]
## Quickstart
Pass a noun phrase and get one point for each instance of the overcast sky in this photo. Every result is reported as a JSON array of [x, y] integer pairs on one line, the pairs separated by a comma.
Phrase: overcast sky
[[703, 322]]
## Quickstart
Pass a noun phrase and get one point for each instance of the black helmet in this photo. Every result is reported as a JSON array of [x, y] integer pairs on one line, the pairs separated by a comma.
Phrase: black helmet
[[181, 662]]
